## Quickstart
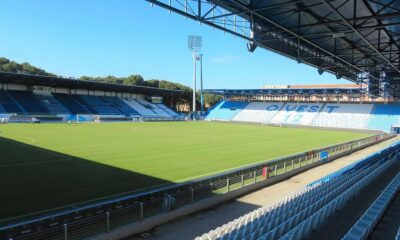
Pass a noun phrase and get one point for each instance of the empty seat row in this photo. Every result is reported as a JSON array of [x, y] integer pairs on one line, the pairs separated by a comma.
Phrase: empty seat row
[[25, 102], [370, 218], [294, 217], [353, 116]]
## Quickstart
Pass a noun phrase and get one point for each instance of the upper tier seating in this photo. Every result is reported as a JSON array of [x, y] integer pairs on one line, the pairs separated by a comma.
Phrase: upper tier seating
[[226, 111], [8, 103], [261, 112], [344, 116], [384, 116], [29, 102], [140, 108], [53, 105], [296, 216], [71, 104]]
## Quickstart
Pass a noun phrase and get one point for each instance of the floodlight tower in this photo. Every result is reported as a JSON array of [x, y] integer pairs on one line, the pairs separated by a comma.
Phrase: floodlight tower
[[194, 45], [201, 84]]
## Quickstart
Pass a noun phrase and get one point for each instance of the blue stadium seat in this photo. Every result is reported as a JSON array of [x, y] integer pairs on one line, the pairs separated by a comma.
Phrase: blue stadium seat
[[53, 105], [96, 105], [29, 102], [8, 103], [295, 217], [121, 105], [226, 110], [71, 104], [384, 116]]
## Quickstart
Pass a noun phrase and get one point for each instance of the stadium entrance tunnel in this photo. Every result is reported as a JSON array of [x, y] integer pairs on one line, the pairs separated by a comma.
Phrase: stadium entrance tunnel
[[36, 181]]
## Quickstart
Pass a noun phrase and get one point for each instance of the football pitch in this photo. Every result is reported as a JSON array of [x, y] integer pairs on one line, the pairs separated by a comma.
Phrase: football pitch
[[47, 166]]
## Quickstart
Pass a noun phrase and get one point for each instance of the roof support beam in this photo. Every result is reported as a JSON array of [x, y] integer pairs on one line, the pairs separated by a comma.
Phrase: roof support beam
[[359, 34]]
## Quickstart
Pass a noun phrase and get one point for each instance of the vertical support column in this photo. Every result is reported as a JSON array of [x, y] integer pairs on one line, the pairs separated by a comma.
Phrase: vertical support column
[[242, 181], [191, 195], [107, 222], [141, 215], [227, 184], [255, 176], [65, 231], [292, 164], [284, 167], [276, 170]]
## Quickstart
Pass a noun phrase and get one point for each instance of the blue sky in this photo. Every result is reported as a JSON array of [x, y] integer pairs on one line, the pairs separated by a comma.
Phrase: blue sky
[[108, 37]]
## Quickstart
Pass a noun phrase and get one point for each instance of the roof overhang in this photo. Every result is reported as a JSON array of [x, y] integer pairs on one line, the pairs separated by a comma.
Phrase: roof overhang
[[358, 40], [70, 83]]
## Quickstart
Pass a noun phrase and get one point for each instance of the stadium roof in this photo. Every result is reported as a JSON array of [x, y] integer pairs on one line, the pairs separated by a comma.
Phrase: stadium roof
[[283, 91], [358, 40], [33, 80]]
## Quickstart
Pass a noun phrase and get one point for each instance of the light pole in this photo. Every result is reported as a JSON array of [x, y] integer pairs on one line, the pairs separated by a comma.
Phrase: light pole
[[201, 84], [194, 45]]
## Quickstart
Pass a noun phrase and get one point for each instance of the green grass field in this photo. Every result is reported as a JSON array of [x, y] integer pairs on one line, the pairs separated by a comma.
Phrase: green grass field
[[47, 166]]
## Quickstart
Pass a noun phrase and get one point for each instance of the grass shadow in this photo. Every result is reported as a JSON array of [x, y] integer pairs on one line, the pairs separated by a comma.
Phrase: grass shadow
[[34, 180]]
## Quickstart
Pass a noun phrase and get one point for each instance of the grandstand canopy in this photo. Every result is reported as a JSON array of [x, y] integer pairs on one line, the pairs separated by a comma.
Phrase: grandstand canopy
[[358, 40], [38, 80], [283, 91]]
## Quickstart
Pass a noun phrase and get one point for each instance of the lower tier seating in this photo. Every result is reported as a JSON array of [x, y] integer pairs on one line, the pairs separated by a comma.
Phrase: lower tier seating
[[225, 111], [110, 107], [296, 216], [367, 222], [28, 102]]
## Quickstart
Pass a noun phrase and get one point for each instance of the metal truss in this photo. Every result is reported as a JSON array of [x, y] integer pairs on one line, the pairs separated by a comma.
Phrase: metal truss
[[358, 40]]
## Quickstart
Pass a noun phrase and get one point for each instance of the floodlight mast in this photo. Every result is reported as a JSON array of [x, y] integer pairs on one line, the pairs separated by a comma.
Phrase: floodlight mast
[[201, 84], [194, 45]]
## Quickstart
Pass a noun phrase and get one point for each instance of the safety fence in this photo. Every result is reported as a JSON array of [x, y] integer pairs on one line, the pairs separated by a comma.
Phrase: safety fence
[[99, 218]]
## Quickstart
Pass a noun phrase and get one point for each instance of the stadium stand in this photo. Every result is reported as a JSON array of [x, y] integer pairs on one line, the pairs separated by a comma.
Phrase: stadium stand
[[367, 222], [142, 110], [166, 109], [71, 104], [8, 103], [296, 216], [351, 116], [120, 105], [384, 116], [53, 105], [96, 105], [344, 116], [258, 112], [154, 108], [225, 111], [28, 102], [297, 113], [22, 105]]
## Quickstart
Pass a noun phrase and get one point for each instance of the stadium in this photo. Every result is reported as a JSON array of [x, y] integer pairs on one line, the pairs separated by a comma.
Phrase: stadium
[[88, 158]]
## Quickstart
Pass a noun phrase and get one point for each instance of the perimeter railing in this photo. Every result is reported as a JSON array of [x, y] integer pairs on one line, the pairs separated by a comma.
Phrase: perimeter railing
[[99, 218]]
